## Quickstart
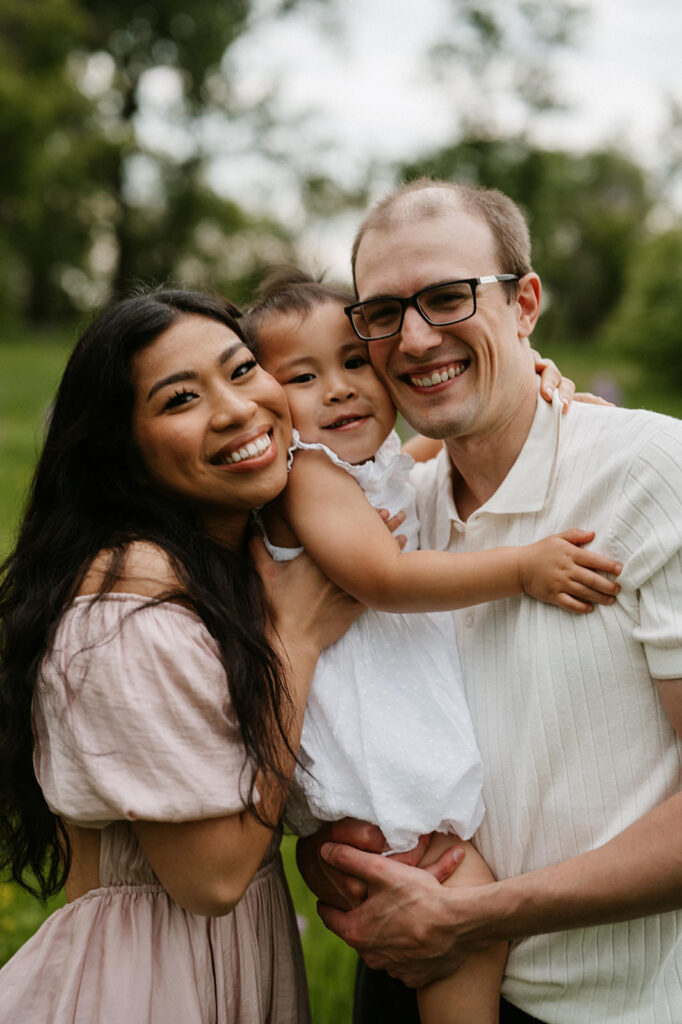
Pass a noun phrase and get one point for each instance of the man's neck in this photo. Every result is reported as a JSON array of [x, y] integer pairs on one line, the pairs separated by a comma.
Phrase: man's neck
[[480, 464]]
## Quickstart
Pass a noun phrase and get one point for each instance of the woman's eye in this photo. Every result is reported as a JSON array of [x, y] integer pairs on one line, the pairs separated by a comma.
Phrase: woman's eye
[[243, 368], [302, 378], [181, 397]]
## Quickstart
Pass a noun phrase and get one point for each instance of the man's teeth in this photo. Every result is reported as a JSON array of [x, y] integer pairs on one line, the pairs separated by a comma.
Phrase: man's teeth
[[249, 450], [439, 376]]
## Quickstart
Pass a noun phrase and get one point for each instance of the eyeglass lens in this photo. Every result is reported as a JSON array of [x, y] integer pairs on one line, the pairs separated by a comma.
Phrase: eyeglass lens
[[443, 304]]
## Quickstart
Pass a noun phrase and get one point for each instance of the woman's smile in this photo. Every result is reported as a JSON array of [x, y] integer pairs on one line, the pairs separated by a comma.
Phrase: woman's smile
[[221, 441]]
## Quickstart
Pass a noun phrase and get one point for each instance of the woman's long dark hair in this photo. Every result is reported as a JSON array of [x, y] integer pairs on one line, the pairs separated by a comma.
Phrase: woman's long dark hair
[[86, 497]]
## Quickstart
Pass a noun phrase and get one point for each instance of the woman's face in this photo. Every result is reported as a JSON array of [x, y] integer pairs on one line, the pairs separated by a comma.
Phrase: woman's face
[[211, 426]]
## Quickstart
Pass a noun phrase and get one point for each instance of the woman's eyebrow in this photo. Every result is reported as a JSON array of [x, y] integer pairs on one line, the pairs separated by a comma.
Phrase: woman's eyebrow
[[172, 378], [175, 378]]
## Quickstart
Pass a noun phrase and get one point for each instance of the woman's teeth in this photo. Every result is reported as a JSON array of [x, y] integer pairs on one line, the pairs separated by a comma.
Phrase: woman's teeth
[[439, 376], [249, 451]]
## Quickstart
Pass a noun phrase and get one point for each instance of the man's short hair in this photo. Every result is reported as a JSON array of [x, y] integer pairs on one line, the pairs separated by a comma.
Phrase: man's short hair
[[419, 200]]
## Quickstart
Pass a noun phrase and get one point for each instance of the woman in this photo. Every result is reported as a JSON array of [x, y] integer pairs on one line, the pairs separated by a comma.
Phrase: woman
[[138, 655]]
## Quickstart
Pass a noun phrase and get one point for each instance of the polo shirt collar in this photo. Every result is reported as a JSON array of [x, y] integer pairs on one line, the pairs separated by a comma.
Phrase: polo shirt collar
[[527, 484]]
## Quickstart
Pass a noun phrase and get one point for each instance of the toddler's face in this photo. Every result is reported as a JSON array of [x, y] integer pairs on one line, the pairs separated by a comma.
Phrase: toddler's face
[[334, 395]]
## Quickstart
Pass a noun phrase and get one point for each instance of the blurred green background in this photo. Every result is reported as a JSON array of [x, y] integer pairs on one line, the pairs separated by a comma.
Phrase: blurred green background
[[115, 122]]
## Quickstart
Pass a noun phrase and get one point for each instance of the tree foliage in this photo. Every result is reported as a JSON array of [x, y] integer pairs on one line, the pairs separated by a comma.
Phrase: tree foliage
[[498, 56], [90, 201], [646, 324]]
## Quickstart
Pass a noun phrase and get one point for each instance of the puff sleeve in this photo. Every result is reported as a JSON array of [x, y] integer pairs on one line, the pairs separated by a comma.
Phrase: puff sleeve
[[132, 717]]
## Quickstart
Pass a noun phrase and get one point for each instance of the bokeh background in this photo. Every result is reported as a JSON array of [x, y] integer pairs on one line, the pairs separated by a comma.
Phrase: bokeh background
[[171, 141]]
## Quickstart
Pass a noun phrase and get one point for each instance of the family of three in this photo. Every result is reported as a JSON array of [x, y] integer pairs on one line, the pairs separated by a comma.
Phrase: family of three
[[160, 644]]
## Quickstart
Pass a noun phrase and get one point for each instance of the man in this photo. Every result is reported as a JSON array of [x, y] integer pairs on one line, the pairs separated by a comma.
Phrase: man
[[577, 718]]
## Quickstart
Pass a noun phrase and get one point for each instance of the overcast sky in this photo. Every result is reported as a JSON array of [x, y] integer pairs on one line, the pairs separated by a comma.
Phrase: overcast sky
[[368, 91]]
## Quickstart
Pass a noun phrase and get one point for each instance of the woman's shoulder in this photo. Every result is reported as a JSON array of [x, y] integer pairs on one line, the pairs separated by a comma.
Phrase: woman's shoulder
[[143, 568]]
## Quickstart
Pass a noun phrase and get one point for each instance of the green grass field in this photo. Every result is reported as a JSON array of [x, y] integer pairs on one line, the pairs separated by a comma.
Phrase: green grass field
[[29, 371]]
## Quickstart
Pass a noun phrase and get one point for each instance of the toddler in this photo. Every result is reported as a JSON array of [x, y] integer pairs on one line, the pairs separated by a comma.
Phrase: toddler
[[387, 736]]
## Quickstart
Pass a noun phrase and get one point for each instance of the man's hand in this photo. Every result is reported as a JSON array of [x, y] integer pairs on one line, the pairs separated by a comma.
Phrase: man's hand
[[406, 925], [338, 888], [333, 886]]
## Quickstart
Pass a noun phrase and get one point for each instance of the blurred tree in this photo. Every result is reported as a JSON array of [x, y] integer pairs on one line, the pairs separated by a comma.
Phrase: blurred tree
[[49, 154], [108, 113], [646, 324], [587, 212], [497, 58]]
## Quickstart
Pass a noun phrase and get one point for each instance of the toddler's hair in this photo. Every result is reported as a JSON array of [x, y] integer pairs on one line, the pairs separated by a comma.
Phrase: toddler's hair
[[290, 290]]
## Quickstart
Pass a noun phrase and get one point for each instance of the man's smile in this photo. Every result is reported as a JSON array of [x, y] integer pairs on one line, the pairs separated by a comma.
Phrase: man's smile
[[438, 376]]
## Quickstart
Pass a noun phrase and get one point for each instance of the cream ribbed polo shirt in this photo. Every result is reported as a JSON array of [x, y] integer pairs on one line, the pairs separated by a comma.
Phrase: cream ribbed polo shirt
[[575, 743]]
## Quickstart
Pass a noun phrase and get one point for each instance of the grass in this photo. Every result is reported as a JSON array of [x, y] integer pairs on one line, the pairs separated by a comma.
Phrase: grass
[[29, 371]]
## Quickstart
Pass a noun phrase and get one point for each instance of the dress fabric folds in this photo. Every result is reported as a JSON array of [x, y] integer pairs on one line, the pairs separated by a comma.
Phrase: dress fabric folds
[[132, 720]]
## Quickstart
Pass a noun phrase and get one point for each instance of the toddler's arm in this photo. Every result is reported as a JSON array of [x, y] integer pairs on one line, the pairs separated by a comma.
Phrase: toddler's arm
[[340, 530]]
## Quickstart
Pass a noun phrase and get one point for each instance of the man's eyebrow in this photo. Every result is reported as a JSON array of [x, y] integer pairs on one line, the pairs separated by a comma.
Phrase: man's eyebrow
[[175, 378]]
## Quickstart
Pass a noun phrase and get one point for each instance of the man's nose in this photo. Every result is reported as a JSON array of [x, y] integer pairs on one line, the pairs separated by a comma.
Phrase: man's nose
[[416, 336]]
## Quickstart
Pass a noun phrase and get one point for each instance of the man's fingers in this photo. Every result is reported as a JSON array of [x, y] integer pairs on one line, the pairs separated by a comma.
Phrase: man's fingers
[[367, 866], [335, 921], [442, 868]]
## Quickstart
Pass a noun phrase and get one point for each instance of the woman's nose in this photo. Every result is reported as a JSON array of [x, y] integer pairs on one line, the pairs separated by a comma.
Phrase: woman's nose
[[231, 410]]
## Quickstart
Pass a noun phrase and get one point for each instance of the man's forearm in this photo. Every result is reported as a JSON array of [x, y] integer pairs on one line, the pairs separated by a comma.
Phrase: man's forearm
[[637, 873], [420, 931]]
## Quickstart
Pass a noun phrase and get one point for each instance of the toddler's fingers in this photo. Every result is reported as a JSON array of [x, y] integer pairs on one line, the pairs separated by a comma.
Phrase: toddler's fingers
[[572, 604], [588, 594], [595, 581], [392, 522], [577, 536], [600, 563]]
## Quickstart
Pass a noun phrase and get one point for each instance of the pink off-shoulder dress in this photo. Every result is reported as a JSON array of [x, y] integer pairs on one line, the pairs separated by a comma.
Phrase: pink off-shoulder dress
[[132, 720]]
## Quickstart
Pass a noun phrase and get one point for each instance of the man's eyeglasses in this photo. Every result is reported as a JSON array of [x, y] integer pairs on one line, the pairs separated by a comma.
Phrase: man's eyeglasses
[[439, 305]]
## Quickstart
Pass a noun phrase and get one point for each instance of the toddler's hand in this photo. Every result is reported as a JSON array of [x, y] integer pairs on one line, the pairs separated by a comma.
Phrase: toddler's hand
[[393, 522], [559, 571]]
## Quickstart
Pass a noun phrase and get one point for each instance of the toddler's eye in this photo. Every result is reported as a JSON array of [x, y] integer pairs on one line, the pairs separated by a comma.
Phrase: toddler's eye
[[181, 397], [355, 362], [243, 368], [302, 378]]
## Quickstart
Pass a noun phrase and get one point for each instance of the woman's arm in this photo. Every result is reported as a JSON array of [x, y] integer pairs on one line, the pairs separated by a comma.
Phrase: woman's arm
[[206, 865], [338, 527]]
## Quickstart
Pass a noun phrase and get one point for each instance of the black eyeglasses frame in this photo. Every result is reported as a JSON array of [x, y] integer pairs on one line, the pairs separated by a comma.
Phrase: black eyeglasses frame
[[413, 300]]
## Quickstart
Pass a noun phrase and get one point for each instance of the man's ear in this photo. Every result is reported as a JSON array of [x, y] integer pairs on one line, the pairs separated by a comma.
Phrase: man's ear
[[528, 301]]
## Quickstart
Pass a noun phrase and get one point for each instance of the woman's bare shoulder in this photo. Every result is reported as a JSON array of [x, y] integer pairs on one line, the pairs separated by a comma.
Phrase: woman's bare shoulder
[[145, 569]]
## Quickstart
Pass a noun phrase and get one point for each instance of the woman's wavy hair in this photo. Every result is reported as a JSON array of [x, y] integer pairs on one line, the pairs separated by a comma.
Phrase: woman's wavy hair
[[86, 496]]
